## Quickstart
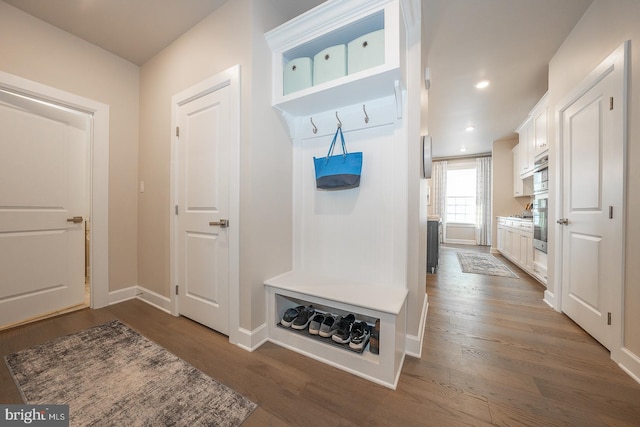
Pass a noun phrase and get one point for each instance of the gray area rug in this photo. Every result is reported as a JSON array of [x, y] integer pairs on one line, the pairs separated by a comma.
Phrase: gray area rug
[[111, 375], [476, 263]]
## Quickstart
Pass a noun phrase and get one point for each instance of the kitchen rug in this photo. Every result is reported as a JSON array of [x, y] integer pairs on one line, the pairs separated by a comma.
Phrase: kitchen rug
[[478, 263]]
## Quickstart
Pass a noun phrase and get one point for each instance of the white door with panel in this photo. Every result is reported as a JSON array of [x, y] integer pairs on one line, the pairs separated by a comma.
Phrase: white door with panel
[[202, 195], [592, 201], [44, 201]]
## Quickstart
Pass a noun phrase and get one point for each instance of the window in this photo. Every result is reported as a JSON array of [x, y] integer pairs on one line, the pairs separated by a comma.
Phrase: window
[[461, 196]]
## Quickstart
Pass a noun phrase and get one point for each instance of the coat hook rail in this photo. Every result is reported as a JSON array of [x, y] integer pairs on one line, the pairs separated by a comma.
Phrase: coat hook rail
[[366, 116], [339, 122], [315, 128]]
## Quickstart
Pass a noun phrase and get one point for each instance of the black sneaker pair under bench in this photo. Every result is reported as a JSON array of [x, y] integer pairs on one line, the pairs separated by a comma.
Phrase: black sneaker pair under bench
[[342, 330]]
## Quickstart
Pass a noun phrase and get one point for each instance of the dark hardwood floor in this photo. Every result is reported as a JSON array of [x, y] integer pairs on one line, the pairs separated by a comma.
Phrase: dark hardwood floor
[[494, 354]]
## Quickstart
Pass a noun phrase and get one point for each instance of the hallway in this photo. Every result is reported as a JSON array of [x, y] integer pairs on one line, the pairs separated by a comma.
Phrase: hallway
[[494, 354], [494, 339]]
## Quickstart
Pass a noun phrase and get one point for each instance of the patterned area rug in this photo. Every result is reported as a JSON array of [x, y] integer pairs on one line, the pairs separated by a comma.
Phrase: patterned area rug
[[111, 375], [476, 263]]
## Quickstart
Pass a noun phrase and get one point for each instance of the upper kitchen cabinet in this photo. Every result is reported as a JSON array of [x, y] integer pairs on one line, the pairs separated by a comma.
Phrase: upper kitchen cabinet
[[337, 54], [533, 136], [539, 116], [525, 147]]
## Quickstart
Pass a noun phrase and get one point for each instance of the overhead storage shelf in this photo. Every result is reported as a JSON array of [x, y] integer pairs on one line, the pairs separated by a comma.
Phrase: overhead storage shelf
[[338, 22]]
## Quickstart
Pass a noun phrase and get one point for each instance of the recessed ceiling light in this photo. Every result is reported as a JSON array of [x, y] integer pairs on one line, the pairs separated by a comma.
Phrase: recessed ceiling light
[[482, 84], [462, 149], [470, 128]]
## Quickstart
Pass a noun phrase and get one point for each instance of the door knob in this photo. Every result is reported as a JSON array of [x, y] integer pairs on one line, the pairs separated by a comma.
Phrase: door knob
[[223, 223], [563, 221], [75, 219]]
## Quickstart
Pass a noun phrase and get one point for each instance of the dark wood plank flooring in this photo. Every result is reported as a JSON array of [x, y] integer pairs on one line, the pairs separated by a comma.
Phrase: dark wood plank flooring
[[493, 354]]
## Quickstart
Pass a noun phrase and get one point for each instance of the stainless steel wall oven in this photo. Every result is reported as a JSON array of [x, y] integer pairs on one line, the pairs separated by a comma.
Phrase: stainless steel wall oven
[[540, 210]]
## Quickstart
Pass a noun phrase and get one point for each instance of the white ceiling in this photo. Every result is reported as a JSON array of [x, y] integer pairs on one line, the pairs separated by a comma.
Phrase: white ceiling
[[508, 42]]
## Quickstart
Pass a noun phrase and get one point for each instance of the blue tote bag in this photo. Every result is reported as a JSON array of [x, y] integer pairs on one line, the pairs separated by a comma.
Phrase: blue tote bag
[[339, 172]]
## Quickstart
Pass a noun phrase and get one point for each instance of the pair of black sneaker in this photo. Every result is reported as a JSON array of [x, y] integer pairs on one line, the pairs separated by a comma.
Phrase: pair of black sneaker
[[352, 332], [342, 329], [298, 317]]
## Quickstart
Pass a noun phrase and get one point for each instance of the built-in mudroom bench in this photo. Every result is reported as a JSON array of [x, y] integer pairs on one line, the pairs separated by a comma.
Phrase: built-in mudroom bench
[[343, 65], [367, 302]]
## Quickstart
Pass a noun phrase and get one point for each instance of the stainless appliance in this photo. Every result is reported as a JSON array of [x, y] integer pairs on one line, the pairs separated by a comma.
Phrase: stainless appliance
[[541, 180], [540, 221]]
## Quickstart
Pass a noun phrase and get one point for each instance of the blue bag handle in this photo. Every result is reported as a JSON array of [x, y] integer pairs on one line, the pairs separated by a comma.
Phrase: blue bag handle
[[333, 143]]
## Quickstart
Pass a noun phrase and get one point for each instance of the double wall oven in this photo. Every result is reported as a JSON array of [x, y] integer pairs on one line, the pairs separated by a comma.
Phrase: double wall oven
[[541, 206]]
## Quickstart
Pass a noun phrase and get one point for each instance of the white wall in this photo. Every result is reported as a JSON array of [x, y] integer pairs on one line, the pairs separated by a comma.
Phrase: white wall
[[37, 51], [602, 29], [234, 34], [504, 204]]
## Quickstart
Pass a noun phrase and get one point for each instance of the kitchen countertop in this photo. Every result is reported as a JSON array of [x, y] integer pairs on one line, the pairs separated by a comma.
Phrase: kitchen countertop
[[517, 218]]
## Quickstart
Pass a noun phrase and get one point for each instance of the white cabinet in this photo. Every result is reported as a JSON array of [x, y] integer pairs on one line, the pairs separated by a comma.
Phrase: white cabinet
[[515, 242], [521, 186], [540, 266], [540, 128], [517, 181], [334, 24], [533, 137], [334, 231], [500, 236], [526, 246], [526, 148]]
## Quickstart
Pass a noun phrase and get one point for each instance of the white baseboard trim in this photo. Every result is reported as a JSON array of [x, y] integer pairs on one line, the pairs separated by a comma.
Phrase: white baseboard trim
[[494, 251], [121, 295], [152, 298], [460, 242], [251, 340], [550, 299], [413, 343], [630, 363]]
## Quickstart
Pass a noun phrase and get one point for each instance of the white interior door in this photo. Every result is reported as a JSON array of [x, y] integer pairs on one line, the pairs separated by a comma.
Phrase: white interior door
[[202, 194], [43, 185], [593, 185]]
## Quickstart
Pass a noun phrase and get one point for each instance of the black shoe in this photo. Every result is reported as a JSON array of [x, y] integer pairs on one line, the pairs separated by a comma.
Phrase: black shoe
[[290, 315], [303, 319], [343, 330], [359, 335]]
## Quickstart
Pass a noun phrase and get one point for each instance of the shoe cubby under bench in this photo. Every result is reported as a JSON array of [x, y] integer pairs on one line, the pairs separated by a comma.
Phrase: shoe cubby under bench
[[340, 297]]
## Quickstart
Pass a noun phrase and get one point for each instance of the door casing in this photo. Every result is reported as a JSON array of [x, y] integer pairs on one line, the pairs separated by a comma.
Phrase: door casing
[[620, 59], [99, 165], [231, 78]]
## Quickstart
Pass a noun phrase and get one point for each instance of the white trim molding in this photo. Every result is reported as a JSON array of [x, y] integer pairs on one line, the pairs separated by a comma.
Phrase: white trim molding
[[413, 343], [251, 340], [99, 163], [630, 363], [231, 78], [153, 298]]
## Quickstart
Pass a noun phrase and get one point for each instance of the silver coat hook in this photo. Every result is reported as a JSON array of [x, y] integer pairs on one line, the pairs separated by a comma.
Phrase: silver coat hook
[[366, 116], [315, 128], [339, 122]]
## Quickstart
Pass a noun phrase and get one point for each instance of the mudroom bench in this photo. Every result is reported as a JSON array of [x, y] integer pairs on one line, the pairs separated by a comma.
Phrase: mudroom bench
[[367, 302]]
